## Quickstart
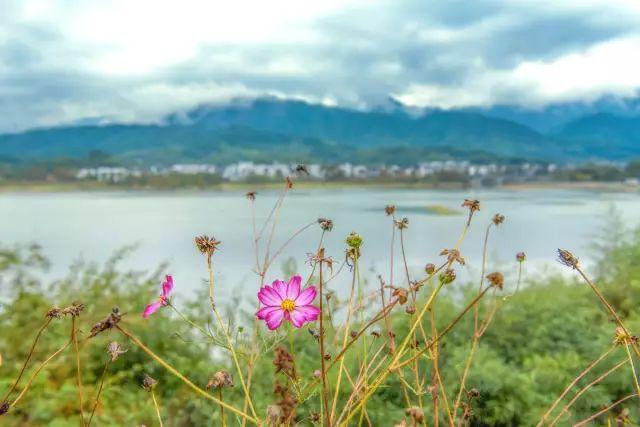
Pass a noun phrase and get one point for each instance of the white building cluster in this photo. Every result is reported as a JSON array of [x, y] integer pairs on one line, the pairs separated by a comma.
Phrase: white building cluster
[[244, 170]]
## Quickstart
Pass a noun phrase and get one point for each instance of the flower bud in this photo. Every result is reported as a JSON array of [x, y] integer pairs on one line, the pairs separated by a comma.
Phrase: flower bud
[[448, 276], [430, 268]]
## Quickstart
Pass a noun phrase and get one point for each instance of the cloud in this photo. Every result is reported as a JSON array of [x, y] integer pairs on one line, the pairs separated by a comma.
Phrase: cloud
[[137, 60]]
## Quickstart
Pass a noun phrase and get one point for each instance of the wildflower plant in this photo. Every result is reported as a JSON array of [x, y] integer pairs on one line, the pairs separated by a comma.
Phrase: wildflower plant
[[326, 342]]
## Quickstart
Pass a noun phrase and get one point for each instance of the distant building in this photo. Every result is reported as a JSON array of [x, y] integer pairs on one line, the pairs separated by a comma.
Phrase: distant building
[[193, 169], [106, 173]]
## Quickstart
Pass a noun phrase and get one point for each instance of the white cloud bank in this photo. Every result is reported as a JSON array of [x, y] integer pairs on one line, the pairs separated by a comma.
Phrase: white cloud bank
[[136, 60]]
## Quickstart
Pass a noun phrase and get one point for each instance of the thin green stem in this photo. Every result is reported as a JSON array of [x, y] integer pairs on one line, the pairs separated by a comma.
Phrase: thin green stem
[[155, 404], [74, 337], [95, 405], [633, 371], [184, 379], [573, 383], [26, 362], [37, 371]]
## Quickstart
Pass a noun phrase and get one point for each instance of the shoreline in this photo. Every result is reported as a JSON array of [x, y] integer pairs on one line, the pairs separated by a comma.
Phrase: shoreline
[[71, 187]]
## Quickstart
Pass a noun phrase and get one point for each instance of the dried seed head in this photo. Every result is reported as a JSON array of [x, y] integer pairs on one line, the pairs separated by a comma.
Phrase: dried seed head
[[498, 219], [622, 337], [148, 383], [401, 294], [473, 393], [390, 209], [4, 408], [325, 224], [353, 334], [447, 276], [115, 350], [274, 413], [283, 361], [74, 309], [567, 258], [496, 279], [473, 205], [453, 255], [416, 414], [55, 312], [219, 380], [314, 417], [430, 268], [251, 195], [206, 244], [402, 223], [520, 256], [105, 324], [410, 309], [327, 356], [375, 333]]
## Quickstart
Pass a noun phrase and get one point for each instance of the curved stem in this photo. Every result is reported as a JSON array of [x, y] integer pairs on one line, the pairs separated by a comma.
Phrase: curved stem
[[184, 379], [633, 370], [344, 341], [603, 411], [574, 382], [26, 362], [74, 337], [95, 405], [155, 404], [583, 390], [35, 373], [444, 331], [224, 422], [608, 307], [323, 373]]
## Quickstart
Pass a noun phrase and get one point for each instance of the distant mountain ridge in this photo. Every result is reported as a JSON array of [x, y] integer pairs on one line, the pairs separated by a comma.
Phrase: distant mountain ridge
[[271, 129]]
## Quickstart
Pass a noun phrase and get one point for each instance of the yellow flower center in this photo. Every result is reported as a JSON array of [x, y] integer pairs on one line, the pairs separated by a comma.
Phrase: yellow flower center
[[288, 305]]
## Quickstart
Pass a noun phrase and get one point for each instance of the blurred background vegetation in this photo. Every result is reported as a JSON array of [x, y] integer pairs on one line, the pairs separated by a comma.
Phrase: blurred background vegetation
[[540, 340]]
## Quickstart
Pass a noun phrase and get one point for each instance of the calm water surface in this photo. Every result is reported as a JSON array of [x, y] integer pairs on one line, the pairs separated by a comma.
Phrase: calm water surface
[[90, 226]]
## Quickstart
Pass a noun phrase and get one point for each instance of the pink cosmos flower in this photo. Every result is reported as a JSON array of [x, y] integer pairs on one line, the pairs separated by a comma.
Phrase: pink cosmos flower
[[162, 301], [285, 301]]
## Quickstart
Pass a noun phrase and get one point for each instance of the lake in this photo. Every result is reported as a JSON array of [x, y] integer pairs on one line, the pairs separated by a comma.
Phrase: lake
[[90, 226]]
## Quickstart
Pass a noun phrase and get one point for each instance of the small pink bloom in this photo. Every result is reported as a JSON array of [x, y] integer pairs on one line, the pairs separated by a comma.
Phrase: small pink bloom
[[285, 301], [167, 286]]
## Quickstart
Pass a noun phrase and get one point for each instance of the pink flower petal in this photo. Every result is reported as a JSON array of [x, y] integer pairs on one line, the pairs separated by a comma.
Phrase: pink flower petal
[[268, 296], [307, 296], [274, 319], [167, 285], [304, 314], [281, 288], [311, 312], [263, 312], [293, 287], [151, 308]]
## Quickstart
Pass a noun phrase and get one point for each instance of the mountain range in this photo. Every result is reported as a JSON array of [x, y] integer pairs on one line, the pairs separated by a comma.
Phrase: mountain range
[[268, 129]]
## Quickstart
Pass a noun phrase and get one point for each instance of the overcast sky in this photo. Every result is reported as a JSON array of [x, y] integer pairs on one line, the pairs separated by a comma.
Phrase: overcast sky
[[64, 61]]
